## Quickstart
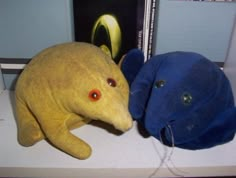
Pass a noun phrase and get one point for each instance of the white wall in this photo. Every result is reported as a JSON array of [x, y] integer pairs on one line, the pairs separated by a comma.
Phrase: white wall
[[28, 26], [203, 27], [230, 63]]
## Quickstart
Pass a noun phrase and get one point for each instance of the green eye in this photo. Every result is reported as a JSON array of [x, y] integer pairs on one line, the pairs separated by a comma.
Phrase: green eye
[[186, 98], [160, 83]]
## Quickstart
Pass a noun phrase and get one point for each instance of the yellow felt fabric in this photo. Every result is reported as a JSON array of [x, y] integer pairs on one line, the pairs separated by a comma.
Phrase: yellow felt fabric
[[52, 96]]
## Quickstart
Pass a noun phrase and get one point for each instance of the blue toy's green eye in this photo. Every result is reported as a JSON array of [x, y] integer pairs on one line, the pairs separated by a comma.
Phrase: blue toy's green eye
[[160, 83], [186, 98]]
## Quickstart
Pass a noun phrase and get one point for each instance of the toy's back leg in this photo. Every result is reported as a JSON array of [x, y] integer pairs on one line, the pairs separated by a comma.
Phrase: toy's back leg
[[29, 131]]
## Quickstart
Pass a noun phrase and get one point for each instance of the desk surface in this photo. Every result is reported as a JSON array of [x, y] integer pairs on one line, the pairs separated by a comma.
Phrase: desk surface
[[128, 155]]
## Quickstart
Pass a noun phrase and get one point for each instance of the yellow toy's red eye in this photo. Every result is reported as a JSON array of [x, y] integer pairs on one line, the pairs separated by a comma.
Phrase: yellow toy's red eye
[[111, 82], [94, 95]]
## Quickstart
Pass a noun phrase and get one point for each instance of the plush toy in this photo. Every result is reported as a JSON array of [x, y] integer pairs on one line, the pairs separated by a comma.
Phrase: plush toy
[[64, 87], [181, 98]]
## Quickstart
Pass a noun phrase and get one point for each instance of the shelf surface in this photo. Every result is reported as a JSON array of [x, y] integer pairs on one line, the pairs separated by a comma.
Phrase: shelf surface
[[129, 154]]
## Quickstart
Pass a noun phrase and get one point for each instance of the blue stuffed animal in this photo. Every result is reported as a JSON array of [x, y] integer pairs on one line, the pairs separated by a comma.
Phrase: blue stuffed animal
[[181, 98]]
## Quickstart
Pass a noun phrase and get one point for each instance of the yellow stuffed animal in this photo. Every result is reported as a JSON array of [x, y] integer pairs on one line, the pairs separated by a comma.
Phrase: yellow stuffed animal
[[64, 87]]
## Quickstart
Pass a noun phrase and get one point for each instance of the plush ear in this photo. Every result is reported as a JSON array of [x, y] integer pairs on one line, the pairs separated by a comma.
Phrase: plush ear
[[131, 63], [141, 88]]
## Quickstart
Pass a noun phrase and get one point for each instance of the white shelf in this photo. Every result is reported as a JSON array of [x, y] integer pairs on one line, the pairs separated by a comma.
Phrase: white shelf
[[126, 155]]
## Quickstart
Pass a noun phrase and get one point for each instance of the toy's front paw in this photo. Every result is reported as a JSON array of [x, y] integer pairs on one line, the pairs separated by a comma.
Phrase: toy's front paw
[[69, 143]]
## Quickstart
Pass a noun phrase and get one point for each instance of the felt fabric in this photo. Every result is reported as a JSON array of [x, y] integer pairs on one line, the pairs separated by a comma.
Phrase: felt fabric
[[183, 99], [133, 62], [64, 87]]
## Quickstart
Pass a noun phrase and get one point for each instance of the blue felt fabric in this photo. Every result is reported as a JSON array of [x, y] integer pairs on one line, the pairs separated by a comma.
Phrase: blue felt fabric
[[132, 63], [193, 108]]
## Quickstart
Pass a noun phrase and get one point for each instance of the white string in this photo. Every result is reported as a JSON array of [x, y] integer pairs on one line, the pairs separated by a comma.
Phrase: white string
[[172, 151], [162, 159], [166, 157]]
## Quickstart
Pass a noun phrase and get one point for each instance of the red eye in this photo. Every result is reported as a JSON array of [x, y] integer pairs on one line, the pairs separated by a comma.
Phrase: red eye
[[111, 82], [94, 95]]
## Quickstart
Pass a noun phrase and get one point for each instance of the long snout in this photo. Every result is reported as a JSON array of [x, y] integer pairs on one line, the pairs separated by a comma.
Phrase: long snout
[[123, 122]]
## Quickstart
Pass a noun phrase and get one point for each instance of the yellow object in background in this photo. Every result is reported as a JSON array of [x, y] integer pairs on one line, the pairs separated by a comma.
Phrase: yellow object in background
[[106, 33]]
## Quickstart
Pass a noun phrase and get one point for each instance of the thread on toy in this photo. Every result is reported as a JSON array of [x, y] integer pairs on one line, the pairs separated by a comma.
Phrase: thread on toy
[[166, 158], [172, 151], [153, 174], [154, 146], [135, 91], [141, 106]]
